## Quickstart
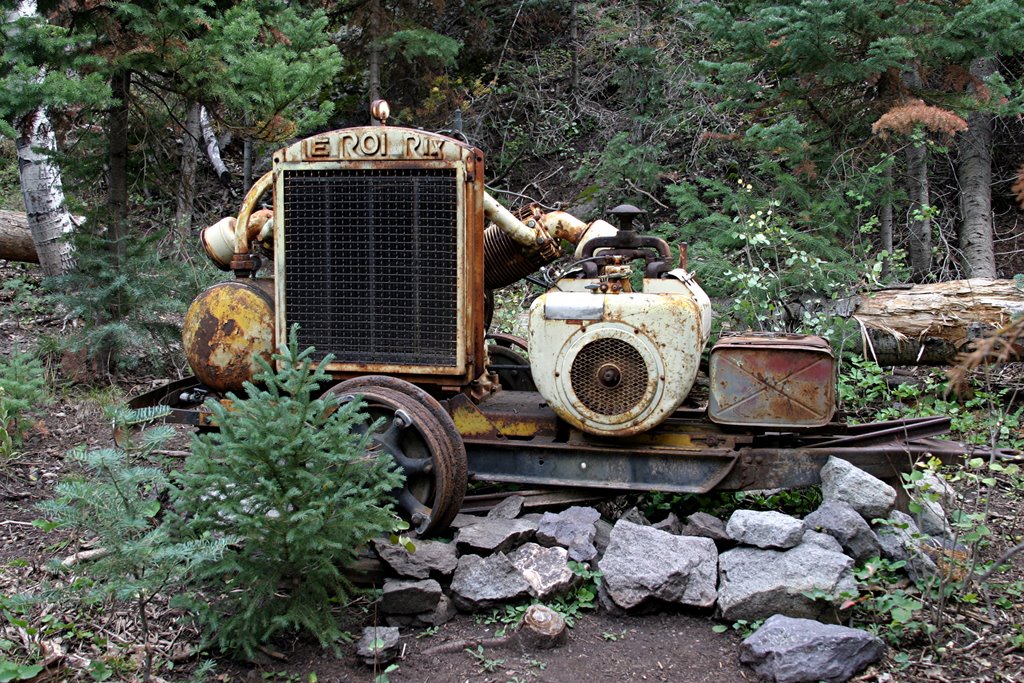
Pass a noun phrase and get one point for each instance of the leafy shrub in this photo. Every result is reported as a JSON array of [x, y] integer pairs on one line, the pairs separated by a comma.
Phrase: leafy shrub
[[289, 475]]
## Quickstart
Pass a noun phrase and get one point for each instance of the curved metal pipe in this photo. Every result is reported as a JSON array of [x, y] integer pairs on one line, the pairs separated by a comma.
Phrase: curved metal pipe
[[564, 226], [509, 224], [255, 192]]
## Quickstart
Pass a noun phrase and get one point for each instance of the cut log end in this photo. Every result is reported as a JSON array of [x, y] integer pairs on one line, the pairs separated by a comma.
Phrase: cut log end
[[15, 238], [542, 628]]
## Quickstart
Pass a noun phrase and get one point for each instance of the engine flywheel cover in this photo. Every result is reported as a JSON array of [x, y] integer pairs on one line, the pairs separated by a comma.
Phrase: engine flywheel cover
[[611, 379]]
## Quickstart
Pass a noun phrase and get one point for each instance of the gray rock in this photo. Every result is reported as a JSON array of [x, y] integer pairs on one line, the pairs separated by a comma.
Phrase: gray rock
[[508, 508], [494, 535], [842, 522], [671, 524], [462, 520], [765, 529], [901, 541], [410, 597], [603, 536], [634, 515], [755, 584], [441, 614], [379, 645], [545, 569], [642, 563], [788, 650], [401, 620], [607, 604], [933, 495], [868, 495], [823, 541], [706, 526], [481, 582], [430, 558], [572, 529]]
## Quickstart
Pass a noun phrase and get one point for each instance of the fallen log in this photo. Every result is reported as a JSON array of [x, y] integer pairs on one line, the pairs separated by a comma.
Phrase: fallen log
[[15, 238], [929, 324]]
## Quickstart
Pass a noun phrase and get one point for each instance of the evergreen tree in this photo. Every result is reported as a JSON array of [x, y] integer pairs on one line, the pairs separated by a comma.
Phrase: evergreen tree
[[116, 505], [260, 65], [293, 478], [810, 80]]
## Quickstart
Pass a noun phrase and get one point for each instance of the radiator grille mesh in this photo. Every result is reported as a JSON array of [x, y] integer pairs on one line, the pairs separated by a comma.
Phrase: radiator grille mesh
[[371, 262]]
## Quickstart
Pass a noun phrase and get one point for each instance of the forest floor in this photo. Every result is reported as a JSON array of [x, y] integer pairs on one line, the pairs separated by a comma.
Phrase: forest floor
[[977, 642]]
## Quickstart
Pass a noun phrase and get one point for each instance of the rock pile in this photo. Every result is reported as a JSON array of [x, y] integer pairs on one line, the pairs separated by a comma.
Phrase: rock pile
[[754, 566]]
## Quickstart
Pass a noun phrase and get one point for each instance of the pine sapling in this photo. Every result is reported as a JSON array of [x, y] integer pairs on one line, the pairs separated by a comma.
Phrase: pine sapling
[[115, 505], [293, 478]]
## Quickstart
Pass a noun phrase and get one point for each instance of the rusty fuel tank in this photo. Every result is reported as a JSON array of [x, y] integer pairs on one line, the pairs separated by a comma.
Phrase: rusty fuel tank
[[226, 329], [772, 380]]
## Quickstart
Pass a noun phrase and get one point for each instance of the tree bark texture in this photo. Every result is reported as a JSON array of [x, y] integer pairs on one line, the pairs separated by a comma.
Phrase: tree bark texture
[[117, 160], [931, 323], [212, 148], [187, 179], [48, 219], [975, 176], [885, 223], [919, 222], [42, 189]]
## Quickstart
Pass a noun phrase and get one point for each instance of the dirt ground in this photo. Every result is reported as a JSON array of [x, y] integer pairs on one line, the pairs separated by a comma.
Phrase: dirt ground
[[975, 645]]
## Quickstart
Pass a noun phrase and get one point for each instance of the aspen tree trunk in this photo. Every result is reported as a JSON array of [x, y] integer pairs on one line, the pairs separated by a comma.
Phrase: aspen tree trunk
[[975, 176], [930, 323], [574, 80], [43, 192], [42, 189], [187, 179], [246, 163], [212, 148]]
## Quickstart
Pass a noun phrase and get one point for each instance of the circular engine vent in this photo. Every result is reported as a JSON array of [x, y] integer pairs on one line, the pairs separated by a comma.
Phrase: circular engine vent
[[609, 376]]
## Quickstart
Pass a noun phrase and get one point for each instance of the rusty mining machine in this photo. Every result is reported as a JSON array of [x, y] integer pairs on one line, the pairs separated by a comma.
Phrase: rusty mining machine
[[383, 245]]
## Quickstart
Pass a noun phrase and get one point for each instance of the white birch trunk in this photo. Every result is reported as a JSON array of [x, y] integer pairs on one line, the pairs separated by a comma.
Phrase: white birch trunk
[[212, 148], [41, 185]]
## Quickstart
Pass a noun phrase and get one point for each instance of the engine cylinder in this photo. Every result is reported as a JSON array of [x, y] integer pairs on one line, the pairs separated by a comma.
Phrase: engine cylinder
[[227, 328], [506, 261]]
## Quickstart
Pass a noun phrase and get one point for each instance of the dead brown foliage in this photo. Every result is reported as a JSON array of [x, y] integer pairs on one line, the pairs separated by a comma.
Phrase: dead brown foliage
[[903, 118]]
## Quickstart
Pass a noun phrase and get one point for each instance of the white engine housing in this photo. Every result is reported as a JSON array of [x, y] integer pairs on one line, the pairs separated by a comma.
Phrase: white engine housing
[[618, 364]]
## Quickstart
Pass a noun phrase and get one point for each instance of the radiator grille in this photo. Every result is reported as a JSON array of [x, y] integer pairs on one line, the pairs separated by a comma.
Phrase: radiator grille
[[371, 264]]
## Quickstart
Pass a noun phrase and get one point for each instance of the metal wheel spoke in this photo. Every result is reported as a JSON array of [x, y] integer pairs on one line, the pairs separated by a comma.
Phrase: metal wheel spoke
[[419, 514], [431, 454], [398, 424], [413, 466]]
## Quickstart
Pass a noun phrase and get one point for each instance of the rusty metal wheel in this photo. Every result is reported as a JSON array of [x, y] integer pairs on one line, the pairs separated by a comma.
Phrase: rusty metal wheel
[[512, 368], [422, 439], [508, 341]]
